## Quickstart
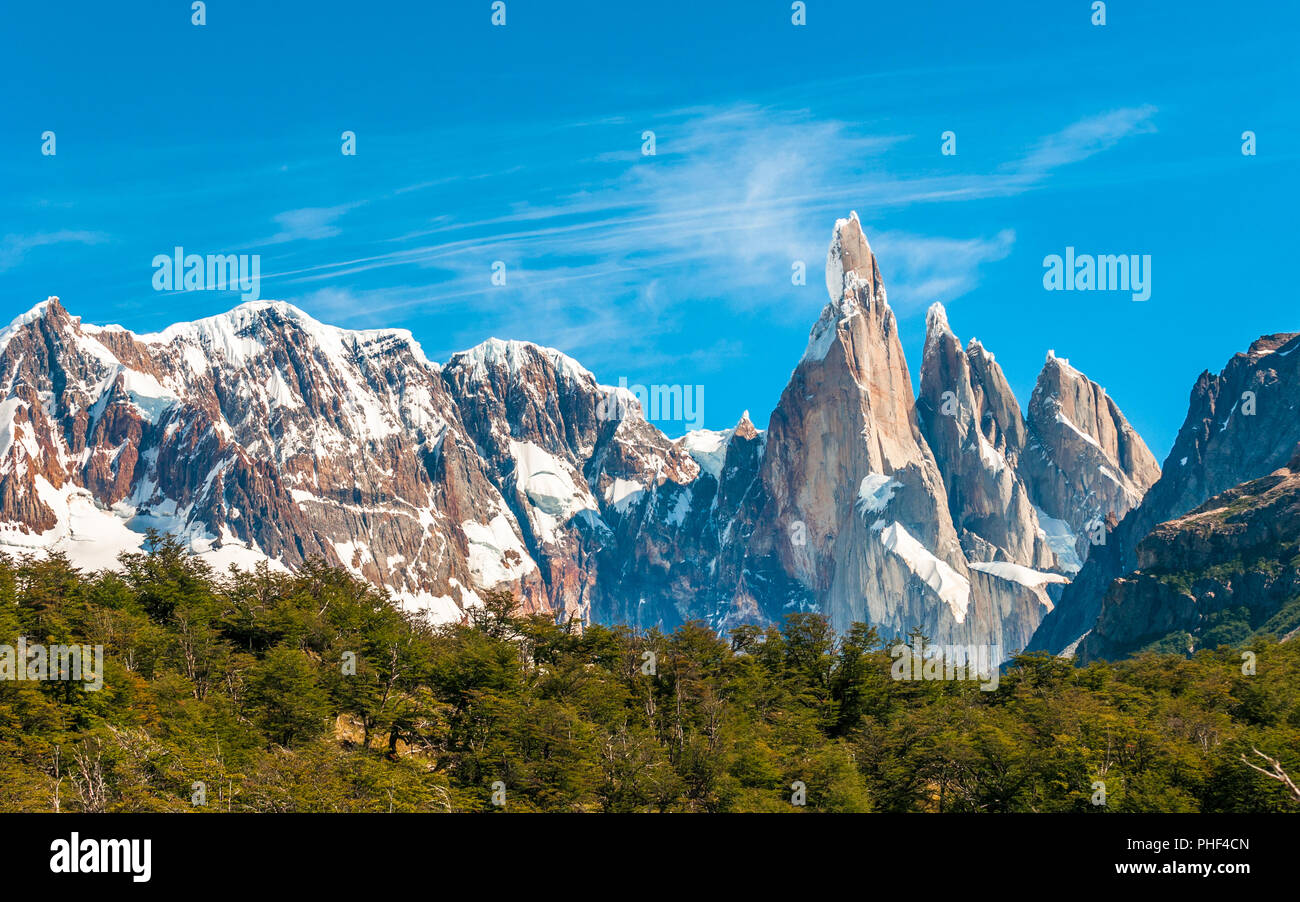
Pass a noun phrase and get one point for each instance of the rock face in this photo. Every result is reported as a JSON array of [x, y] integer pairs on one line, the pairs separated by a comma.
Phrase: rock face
[[846, 473], [622, 522], [1241, 425], [973, 423], [851, 515], [1218, 575], [261, 435], [1083, 463], [531, 416]]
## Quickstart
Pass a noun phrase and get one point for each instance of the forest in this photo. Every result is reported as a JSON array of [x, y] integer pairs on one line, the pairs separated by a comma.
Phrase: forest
[[264, 691]]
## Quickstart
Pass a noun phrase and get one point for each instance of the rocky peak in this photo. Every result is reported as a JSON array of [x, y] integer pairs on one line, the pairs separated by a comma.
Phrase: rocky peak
[[515, 389], [850, 265], [1067, 397], [1260, 347], [1083, 463], [1241, 424], [936, 324], [744, 428], [849, 514], [51, 306], [1001, 418], [967, 413], [854, 287]]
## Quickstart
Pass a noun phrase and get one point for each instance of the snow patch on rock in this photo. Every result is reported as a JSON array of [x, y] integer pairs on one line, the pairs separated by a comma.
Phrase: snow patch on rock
[[1019, 573], [623, 493], [947, 583], [1061, 539], [1065, 421], [708, 448], [876, 491], [496, 555], [550, 487]]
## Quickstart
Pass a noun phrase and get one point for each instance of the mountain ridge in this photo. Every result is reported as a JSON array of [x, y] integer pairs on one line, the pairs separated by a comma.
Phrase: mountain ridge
[[261, 434]]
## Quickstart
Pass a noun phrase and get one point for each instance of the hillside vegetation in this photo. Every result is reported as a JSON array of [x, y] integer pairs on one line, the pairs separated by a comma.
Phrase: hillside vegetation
[[239, 682]]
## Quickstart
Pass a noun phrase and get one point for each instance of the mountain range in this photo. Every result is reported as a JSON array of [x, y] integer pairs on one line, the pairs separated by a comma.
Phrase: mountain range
[[262, 435]]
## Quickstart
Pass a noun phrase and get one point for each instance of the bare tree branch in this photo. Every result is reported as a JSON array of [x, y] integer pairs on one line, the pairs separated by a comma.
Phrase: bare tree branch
[[1274, 772]]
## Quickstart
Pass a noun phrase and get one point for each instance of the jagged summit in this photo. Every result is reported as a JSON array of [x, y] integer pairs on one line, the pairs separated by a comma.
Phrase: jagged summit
[[514, 355], [1242, 424], [1084, 464], [1052, 362], [936, 325], [46, 307], [1266, 344], [856, 290], [936, 320], [1064, 395], [745, 427], [973, 424], [38, 310], [849, 260], [233, 332]]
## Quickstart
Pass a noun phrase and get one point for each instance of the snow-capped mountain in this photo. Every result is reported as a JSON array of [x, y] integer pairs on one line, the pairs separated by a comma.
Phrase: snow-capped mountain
[[263, 435], [871, 506], [258, 434]]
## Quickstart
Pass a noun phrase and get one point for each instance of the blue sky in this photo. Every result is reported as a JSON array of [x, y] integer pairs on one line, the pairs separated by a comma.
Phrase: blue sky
[[523, 144]]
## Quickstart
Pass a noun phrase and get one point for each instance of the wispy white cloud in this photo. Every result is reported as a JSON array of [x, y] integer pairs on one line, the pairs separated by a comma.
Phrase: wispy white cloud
[[920, 269], [1086, 138], [13, 248], [308, 223], [732, 198]]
